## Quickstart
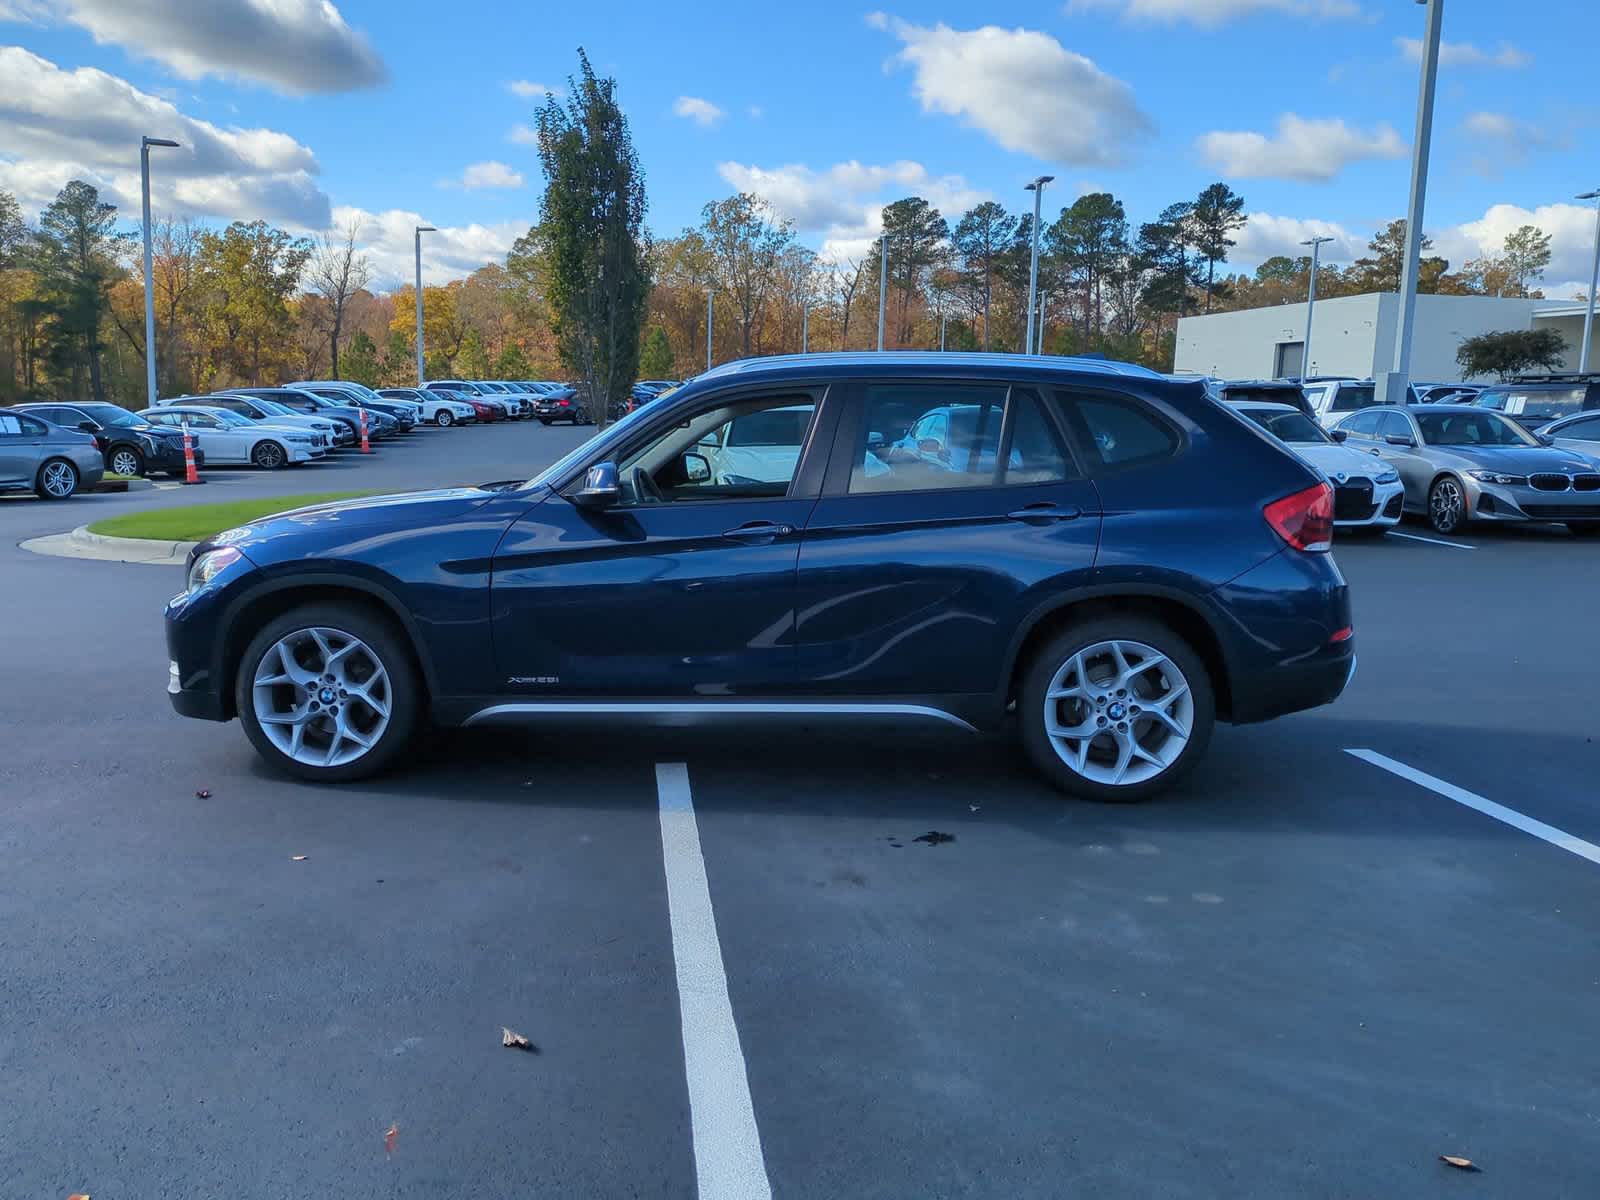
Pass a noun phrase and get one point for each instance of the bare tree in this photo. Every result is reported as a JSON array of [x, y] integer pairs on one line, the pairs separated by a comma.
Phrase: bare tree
[[336, 273], [846, 280]]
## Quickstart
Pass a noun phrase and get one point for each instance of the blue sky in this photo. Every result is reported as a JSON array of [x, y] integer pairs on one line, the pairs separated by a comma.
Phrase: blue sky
[[387, 113]]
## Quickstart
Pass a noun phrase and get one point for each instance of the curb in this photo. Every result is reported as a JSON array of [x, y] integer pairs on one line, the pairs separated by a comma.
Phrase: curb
[[80, 543], [110, 486]]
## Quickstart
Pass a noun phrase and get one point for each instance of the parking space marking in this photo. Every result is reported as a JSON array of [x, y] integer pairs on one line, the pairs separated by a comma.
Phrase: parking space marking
[[1417, 537], [1509, 816], [728, 1161]]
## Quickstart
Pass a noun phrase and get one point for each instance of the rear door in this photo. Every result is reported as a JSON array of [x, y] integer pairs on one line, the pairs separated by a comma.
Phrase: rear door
[[920, 559]]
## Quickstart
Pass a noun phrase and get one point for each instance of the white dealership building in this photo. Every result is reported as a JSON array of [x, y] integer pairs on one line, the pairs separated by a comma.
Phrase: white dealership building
[[1355, 335]]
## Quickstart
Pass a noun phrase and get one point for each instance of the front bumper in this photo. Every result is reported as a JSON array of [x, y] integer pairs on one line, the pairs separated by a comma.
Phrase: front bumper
[[1516, 502], [1373, 506], [169, 456]]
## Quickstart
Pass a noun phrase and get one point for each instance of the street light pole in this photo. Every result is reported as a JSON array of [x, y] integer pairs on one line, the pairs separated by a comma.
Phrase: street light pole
[[1395, 381], [1037, 188], [149, 270], [420, 230], [883, 282], [1594, 279], [1311, 301]]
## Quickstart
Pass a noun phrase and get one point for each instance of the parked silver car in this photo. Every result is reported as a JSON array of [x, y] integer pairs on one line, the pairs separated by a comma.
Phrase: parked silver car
[[1462, 464], [46, 459], [1580, 434]]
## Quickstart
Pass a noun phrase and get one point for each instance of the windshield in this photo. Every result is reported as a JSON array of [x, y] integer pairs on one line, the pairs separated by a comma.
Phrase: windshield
[[1288, 425], [273, 407], [437, 396], [110, 414], [1471, 429]]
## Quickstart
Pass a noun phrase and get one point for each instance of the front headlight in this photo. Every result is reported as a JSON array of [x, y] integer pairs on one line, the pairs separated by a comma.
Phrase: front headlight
[[151, 446], [1387, 476], [299, 439], [1497, 477], [211, 564]]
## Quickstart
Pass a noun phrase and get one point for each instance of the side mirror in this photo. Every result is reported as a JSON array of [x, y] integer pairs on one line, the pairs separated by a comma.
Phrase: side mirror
[[1545, 439], [88, 427], [600, 488], [696, 468], [1340, 435], [1396, 439]]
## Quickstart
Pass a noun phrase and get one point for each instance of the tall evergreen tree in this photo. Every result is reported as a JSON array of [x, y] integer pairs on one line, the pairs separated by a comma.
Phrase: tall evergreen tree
[[74, 255], [980, 240], [1218, 213]]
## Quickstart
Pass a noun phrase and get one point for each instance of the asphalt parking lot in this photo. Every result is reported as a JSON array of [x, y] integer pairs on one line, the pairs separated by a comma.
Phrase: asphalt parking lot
[[1305, 973]]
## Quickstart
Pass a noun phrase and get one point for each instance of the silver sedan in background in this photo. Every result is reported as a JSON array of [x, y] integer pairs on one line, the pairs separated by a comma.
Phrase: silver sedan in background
[[46, 459], [1461, 464], [1579, 433]]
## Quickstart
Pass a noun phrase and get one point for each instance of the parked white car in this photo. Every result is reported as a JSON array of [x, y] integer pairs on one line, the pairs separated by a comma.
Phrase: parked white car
[[228, 438], [437, 407], [262, 412], [1335, 399], [1367, 492]]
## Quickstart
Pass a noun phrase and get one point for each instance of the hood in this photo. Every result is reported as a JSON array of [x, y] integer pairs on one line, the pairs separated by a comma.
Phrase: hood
[[1335, 460], [1519, 460]]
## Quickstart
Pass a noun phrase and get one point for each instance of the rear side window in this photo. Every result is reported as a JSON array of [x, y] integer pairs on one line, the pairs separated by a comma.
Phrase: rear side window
[[1586, 430], [1036, 453], [1364, 425], [1118, 432], [1351, 397], [926, 437], [10, 426], [1393, 425]]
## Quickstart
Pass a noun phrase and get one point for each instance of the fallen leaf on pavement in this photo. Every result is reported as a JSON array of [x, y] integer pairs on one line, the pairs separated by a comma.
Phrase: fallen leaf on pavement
[[297, 858], [513, 1040], [390, 1139], [203, 794], [934, 838], [79, 1196], [1460, 1164]]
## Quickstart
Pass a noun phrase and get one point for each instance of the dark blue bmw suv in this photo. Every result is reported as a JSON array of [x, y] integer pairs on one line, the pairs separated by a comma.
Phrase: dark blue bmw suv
[[1099, 553]]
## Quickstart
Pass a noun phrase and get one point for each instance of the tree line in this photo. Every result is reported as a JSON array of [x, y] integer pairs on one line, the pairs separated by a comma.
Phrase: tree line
[[587, 293]]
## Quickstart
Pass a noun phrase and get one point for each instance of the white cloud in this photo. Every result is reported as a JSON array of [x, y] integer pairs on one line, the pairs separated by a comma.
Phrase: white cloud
[[1465, 54], [481, 175], [529, 90], [844, 202], [523, 135], [87, 124], [1212, 13], [1307, 150], [1265, 235], [1022, 88], [1571, 230], [454, 251], [1505, 141], [701, 112], [296, 46]]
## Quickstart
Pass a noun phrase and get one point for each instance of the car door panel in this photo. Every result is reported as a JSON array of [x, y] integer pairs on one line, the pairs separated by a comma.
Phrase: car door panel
[[19, 451]]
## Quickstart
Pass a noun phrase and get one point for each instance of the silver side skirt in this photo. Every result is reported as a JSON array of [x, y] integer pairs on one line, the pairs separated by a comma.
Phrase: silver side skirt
[[686, 711]]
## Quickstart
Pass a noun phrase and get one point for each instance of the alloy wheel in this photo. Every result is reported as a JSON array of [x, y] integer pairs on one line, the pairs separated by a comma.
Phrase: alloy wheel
[[125, 462], [1118, 713], [446, 418], [1446, 505], [321, 696], [269, 455], [59, 480]]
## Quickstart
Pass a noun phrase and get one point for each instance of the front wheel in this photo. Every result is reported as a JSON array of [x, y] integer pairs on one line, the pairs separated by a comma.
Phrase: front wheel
[[57, 480], [445, 418], [328, 693], [125, 460], [1116, 709], [269, 456], [1447, 505]]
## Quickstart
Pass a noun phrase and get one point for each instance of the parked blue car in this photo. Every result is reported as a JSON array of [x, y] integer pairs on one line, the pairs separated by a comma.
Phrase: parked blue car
[[1112, 563]]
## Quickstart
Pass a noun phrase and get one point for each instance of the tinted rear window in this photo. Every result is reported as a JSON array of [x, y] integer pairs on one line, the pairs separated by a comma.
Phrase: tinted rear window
[[1118, 431], [1349, 398]]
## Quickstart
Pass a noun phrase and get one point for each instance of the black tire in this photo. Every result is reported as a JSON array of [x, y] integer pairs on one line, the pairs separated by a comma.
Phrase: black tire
[[444, 418], [269, 456], [544, 420], [385, 640], [125, 460], [1063, 647], [1583, 529], [45, 485], [1444, 515]]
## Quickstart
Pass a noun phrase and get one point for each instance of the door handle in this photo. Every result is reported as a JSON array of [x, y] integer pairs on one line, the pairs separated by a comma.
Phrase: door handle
[[756, 531], [1039, 514]]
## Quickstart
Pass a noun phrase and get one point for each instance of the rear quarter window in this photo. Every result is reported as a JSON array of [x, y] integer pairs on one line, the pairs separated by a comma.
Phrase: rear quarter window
[[1117, 432]]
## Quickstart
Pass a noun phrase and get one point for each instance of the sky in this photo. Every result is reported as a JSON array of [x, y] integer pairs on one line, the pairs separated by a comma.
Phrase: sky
[[314, 115]]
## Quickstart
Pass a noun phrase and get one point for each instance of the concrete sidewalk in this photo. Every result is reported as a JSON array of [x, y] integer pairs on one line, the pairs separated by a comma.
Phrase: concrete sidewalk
[[80, 543]]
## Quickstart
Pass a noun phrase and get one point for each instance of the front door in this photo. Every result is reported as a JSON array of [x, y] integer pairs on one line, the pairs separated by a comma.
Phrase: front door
[[685, 587], [949, 510], [21, 441]]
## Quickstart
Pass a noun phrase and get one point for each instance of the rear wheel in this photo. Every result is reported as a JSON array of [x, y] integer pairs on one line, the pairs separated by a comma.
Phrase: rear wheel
[[445, 417], [269, 456], [1447, 505], [1116, 709], [125, 460], [57, 480], [328, 693]]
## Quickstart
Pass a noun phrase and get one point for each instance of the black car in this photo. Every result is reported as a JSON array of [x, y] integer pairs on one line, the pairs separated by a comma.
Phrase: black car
[[1533, 401], [1101, 555], [560, 402], [378, 425], [1266, 391], [129, 444]]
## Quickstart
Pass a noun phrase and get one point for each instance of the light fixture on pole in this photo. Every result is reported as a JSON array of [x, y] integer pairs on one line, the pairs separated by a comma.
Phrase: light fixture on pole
[[1594, 279], [1311, 300], [883, 282], [1037, 188], [710, 315], [149, 279], [420, 230], [1394, 382]]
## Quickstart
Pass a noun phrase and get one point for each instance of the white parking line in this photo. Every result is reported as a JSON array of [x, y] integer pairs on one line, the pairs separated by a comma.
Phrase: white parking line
[[1417, 537], [1510, 816], [727, 1145]]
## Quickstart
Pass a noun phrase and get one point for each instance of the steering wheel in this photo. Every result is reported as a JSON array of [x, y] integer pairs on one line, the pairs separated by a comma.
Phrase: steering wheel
[[645, 489]]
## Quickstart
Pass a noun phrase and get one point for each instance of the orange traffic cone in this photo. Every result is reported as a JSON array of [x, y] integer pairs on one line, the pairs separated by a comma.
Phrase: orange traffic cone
[[190, 473], [366, 447]]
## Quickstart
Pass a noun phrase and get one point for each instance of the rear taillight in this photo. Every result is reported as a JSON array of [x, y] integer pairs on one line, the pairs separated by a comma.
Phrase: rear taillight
[[1305, 519], [1342, 635], [565, 403]]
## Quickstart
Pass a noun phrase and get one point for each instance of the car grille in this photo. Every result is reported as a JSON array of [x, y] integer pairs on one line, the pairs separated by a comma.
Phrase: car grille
[[1586, 483], [1558, 511], [1550, 483], [1353, 501]]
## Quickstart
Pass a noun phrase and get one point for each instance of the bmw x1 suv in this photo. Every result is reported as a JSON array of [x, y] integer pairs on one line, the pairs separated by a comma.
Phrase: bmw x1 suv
[[1103, 557]]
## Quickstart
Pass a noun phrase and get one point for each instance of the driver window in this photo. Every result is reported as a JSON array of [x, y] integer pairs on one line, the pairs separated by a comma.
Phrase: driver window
[[743, 450]]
